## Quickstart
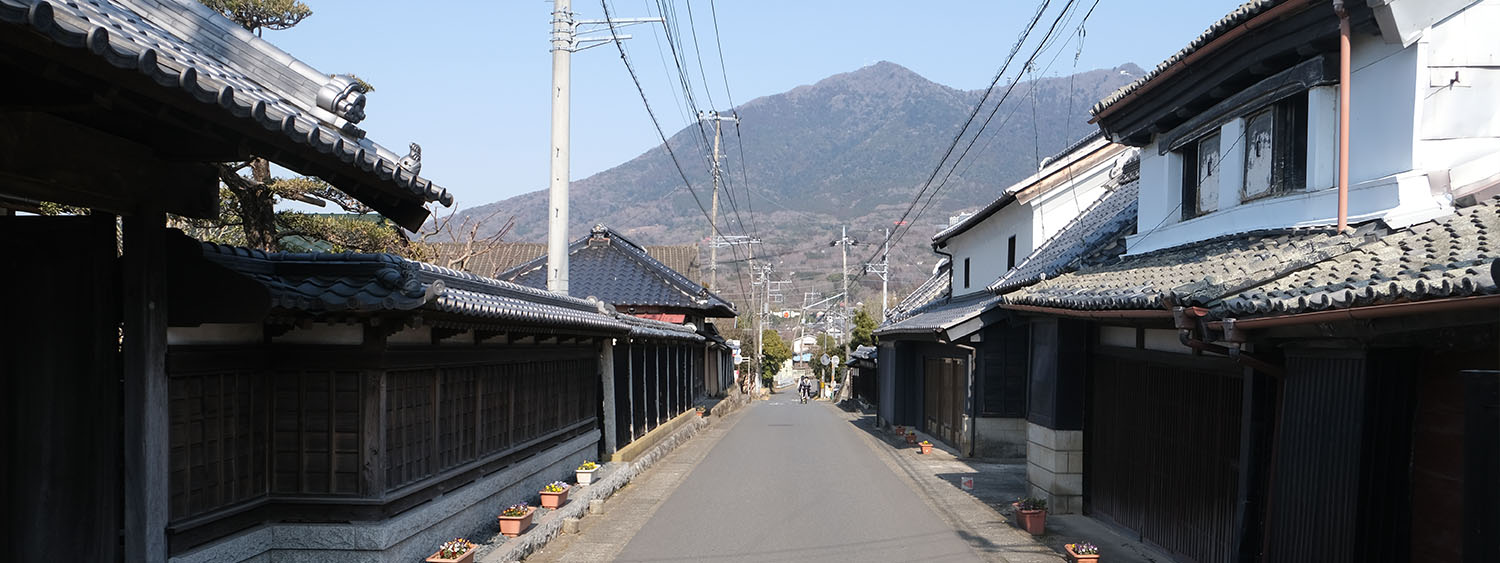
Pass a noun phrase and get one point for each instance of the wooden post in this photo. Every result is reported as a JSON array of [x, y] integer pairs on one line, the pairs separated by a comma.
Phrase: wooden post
[[607, 393], [145, 353], [372, 433]]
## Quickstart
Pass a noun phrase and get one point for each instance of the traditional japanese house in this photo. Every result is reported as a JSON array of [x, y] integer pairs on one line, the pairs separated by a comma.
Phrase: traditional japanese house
[[957, 366], [1250, 380], [367, 406], [171, 400]]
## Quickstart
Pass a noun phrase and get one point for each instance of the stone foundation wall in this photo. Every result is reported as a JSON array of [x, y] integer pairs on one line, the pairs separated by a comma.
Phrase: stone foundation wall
[[1000, 437], [467, 511], [1054, 467]]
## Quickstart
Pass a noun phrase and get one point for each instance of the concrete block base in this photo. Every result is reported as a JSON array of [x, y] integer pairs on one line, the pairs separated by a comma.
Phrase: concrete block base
[[464, 512], [1054, 467]]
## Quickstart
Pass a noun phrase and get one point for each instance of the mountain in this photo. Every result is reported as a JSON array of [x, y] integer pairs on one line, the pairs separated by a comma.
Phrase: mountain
[[852, 149]]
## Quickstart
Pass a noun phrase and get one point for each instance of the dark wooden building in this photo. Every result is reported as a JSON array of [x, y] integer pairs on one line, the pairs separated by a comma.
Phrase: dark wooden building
[[1291, 394], [166, 398]]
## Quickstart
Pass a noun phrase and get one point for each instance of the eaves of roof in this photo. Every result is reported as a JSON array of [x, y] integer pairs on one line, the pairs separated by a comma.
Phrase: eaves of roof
[[1292, 271], [940, 316], [370, 284], [250, 85], [1244, 13]]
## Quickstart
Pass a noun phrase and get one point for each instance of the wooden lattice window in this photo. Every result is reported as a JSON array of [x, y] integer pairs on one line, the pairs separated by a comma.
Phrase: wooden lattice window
[[410, 412], [217, 433], [315, 437]]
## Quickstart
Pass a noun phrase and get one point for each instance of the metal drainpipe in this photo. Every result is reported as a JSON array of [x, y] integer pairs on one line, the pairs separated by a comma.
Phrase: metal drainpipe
[[951, 266], [1190, 319], [1344, 87]]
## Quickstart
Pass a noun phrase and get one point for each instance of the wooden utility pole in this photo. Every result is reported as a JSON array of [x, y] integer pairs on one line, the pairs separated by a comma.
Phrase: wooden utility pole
[[713, 214]]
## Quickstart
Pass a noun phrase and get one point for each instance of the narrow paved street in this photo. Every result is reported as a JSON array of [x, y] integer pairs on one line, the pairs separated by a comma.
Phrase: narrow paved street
[[785, 482]]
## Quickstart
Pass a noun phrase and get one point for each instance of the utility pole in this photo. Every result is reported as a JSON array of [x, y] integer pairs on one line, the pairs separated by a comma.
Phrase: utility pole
[[758, 277], [713, 214], [844, 243], [566, 40], [883, 269]]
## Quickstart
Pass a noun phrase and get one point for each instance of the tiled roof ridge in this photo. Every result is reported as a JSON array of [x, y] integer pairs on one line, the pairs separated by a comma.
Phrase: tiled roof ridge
[[1093, 135], [450, 278], [1231, 20], [167, 65]]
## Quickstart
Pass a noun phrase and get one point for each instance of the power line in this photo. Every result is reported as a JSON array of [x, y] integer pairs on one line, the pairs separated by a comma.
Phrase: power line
[[972, 114], [900, 232]]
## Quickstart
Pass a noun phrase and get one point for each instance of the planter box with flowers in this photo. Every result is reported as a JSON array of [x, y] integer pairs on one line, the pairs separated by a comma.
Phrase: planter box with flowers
[[515, 519], [457, 551], [1032, 512], [1084, 552], [926, 446], [586, 472], [554, 495]]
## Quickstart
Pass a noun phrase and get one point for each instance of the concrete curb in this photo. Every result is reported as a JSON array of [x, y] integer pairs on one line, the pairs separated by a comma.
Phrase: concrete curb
[[620, 474]]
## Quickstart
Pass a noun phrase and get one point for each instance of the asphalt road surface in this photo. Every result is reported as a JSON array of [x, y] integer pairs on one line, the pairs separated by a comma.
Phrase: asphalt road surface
[[793, 482]]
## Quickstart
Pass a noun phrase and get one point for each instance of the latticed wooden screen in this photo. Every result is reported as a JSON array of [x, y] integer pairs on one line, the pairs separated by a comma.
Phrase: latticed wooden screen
[[409, 424], [316, 433], [217, 455], [481, 411]]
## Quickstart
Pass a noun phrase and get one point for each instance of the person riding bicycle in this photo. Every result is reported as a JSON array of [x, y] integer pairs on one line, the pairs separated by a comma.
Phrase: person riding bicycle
[[805, 389]]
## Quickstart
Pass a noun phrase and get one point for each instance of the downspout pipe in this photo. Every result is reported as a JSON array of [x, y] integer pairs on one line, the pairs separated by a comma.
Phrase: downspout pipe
[[951, 267], [1189, 320], [1344, 87]]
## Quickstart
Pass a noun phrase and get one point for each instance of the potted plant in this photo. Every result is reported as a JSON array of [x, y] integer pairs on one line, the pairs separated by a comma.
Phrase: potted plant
[[911, 436], [515, 519], [1032, 512], [554, 494], [900, 430], [457, 551], [926, 446], [702, 412], [586, 472], [1083, 552]]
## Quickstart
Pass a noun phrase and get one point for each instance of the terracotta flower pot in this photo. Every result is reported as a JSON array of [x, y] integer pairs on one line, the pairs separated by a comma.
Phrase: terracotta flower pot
[[554, 500], [586, 477], [1074, 556], [1034, 521], [512, 526], [926, 448], [900, 430], [467, 557], [911, 438]]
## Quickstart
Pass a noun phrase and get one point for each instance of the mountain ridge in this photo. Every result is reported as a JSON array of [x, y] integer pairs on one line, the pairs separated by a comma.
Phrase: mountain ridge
[[852, 148]]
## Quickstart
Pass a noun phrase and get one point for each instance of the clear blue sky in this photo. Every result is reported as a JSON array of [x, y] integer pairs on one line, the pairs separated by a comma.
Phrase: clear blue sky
[[469, 80]]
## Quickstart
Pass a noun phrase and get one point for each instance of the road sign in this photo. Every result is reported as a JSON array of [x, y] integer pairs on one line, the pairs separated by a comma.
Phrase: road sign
[[823, 360]]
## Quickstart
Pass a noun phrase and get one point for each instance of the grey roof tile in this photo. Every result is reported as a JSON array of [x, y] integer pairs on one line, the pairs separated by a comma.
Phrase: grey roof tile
[[1192, 274], [941, 315], [1291, 271], [1450, 257], [608, 266], [188, 47], [318, 284]]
